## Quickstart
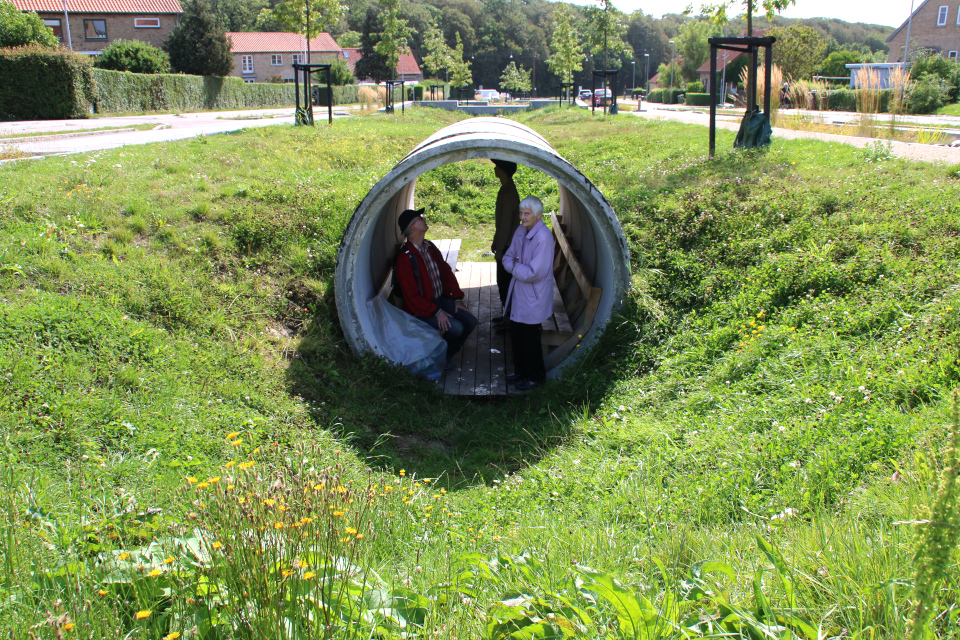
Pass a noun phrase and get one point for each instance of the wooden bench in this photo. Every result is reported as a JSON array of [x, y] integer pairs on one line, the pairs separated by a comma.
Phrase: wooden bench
[[562, 332], [450, 250]]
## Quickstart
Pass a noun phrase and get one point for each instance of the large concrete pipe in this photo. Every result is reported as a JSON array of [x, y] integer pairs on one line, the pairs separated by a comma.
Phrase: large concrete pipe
[[594, 233]]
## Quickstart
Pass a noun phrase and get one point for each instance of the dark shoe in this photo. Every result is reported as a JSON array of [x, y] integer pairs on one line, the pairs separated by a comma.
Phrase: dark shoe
[[526, 385], [498, 320], [512, 377], [449, 365]]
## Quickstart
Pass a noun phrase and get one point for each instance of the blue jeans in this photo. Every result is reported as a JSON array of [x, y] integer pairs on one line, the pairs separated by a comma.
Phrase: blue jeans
[[462, 324]]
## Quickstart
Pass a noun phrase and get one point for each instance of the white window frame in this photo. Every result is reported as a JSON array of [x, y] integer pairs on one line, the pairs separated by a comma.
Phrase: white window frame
[[246, 64], [146, 23], [295, 58], [276, 59], [54, 22], [249, 80], [952, 55], [958, 15], [942, 16]]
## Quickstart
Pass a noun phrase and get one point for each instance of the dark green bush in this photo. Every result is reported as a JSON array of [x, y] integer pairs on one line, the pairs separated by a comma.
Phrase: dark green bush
[[697, 99], [18, 28], [934, 63], [43, 84], [928, 93], [133, 56], [340, 73], [118, 91], [655, 95], [417, 92], [842, 100]]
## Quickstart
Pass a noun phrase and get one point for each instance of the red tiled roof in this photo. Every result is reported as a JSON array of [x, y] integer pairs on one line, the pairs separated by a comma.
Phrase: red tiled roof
[[279, 42], [407, 64], [101, 6]]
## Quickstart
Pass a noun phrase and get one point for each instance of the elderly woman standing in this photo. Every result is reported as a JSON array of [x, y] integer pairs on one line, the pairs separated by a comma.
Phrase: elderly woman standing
[[529, 259]]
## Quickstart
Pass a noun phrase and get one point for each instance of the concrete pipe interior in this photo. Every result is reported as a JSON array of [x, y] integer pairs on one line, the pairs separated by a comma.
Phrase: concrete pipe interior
[[591, 228]]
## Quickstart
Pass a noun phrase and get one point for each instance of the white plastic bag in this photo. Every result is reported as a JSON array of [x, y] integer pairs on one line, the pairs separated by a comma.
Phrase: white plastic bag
[[406, 341]]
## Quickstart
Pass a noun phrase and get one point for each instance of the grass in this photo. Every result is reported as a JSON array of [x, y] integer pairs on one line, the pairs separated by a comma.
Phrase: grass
[[41, 134], [949, 110], [746, 451]]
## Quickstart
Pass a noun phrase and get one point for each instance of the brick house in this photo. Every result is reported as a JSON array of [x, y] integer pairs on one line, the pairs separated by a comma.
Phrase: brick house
[[89, 26], [935, 26], [261, 56], [407, 68]]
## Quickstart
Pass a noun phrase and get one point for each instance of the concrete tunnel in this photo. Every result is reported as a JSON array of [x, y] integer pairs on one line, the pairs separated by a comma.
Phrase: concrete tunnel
[[592, 267]]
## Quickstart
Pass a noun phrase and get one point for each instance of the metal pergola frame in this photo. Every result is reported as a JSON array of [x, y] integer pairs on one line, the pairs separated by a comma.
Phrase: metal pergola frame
[[750, 46], [388, 99], [565, 85], [305, 116], [433, 88], [613, 91]]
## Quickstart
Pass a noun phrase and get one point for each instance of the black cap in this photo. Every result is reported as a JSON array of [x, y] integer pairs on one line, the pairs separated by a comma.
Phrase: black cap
[[407, 217], [509, 167]]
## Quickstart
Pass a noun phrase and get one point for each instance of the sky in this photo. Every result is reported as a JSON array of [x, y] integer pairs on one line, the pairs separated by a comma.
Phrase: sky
[[891, 13]]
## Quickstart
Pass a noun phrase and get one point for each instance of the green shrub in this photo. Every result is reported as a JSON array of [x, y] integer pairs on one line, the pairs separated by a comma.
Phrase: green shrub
[[842, 100], [118, 91], [340, 73], [347, 94], [928, 93], [40, 84], [655, 95], [934, 63], [133, 56], [18, 28], [417, 92], [695, 87], [697, 99]]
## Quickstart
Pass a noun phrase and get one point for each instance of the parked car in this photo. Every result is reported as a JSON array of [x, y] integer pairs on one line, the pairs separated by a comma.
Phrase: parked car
[[602, 97], [584, 95]]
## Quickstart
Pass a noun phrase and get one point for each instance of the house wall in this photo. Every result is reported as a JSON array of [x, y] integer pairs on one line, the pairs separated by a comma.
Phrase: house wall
[[263, 71], [925, 34], [119, 26]]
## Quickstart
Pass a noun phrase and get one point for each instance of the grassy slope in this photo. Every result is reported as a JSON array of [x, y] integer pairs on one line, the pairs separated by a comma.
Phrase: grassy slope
[[787, 344]]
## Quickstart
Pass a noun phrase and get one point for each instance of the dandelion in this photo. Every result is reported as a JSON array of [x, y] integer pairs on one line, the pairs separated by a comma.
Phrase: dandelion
[[278, 525], [269, 502], [217, 545], [213, 480], [350, 530], [308, 575], [403, 472], [286, 573], [124, 555], [168, 560], [229, 464], [203, 485], [236, 443], [155, 573], [145, 613], [191, 479], [101, 592], [246, 465], [69, 626], [173, 635], [337, 514], [359, 536], [232, 435]]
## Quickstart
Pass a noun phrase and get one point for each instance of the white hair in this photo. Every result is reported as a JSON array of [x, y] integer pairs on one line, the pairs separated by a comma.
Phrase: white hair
[[533, 203]]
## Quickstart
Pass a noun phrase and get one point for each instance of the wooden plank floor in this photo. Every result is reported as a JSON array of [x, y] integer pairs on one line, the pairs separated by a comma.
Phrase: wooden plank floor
[[481, 366]]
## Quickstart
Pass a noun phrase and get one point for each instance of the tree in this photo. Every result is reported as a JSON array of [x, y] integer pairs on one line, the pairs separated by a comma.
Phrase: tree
[[349, 39], [567, 54], [238, 15], [340, 73], [835, 64], [437, 51], [605, 30], [18, 28], [513, 79], [718, 12], [309, 18], [460, 73], [199, 45], [133, 56], [393, 38], [371, 63], [798, 51], [693, 47]]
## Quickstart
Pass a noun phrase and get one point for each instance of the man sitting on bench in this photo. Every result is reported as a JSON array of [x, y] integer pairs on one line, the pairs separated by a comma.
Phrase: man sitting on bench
[[428, 286]]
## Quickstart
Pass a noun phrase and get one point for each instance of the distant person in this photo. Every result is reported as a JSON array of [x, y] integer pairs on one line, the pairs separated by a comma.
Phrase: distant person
[[429, 288], [529, 258], [506, 220]]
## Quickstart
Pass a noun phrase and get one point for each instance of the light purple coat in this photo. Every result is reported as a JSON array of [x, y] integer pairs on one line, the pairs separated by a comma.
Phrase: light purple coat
[[530, 259]]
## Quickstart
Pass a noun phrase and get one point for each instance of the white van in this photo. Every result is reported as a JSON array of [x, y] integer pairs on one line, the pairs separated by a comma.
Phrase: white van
[[490, 95]]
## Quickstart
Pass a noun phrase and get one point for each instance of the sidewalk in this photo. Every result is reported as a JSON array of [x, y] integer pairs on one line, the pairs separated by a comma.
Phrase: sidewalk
[[906, 150], [167, 127]]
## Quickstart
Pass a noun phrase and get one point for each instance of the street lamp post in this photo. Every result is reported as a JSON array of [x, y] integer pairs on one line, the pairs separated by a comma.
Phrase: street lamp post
[[673, 59], [634, 83], [646, 74]]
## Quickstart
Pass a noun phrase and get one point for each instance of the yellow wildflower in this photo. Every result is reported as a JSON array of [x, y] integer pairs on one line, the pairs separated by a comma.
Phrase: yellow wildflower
[[308, 575], [191, 479], [155, 573], [237, 443], [213, 480], [269, 502], [203, 485], [286, 573], [230, 464], [102, 592], [217, 545], [246, 465], [278, 525], [359, 536], [69, 626], [168, 560], [350, 530], [232, 435], [145, 613], [124, 555], [403, 472], [173, 635]]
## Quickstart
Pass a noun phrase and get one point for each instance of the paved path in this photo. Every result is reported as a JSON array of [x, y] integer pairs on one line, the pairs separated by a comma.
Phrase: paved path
[[167, 127], [907, 150]]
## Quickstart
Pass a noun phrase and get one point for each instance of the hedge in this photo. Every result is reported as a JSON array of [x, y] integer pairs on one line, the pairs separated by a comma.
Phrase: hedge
[[667, 96], [697, 99], [40, 83], [345, 94]]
